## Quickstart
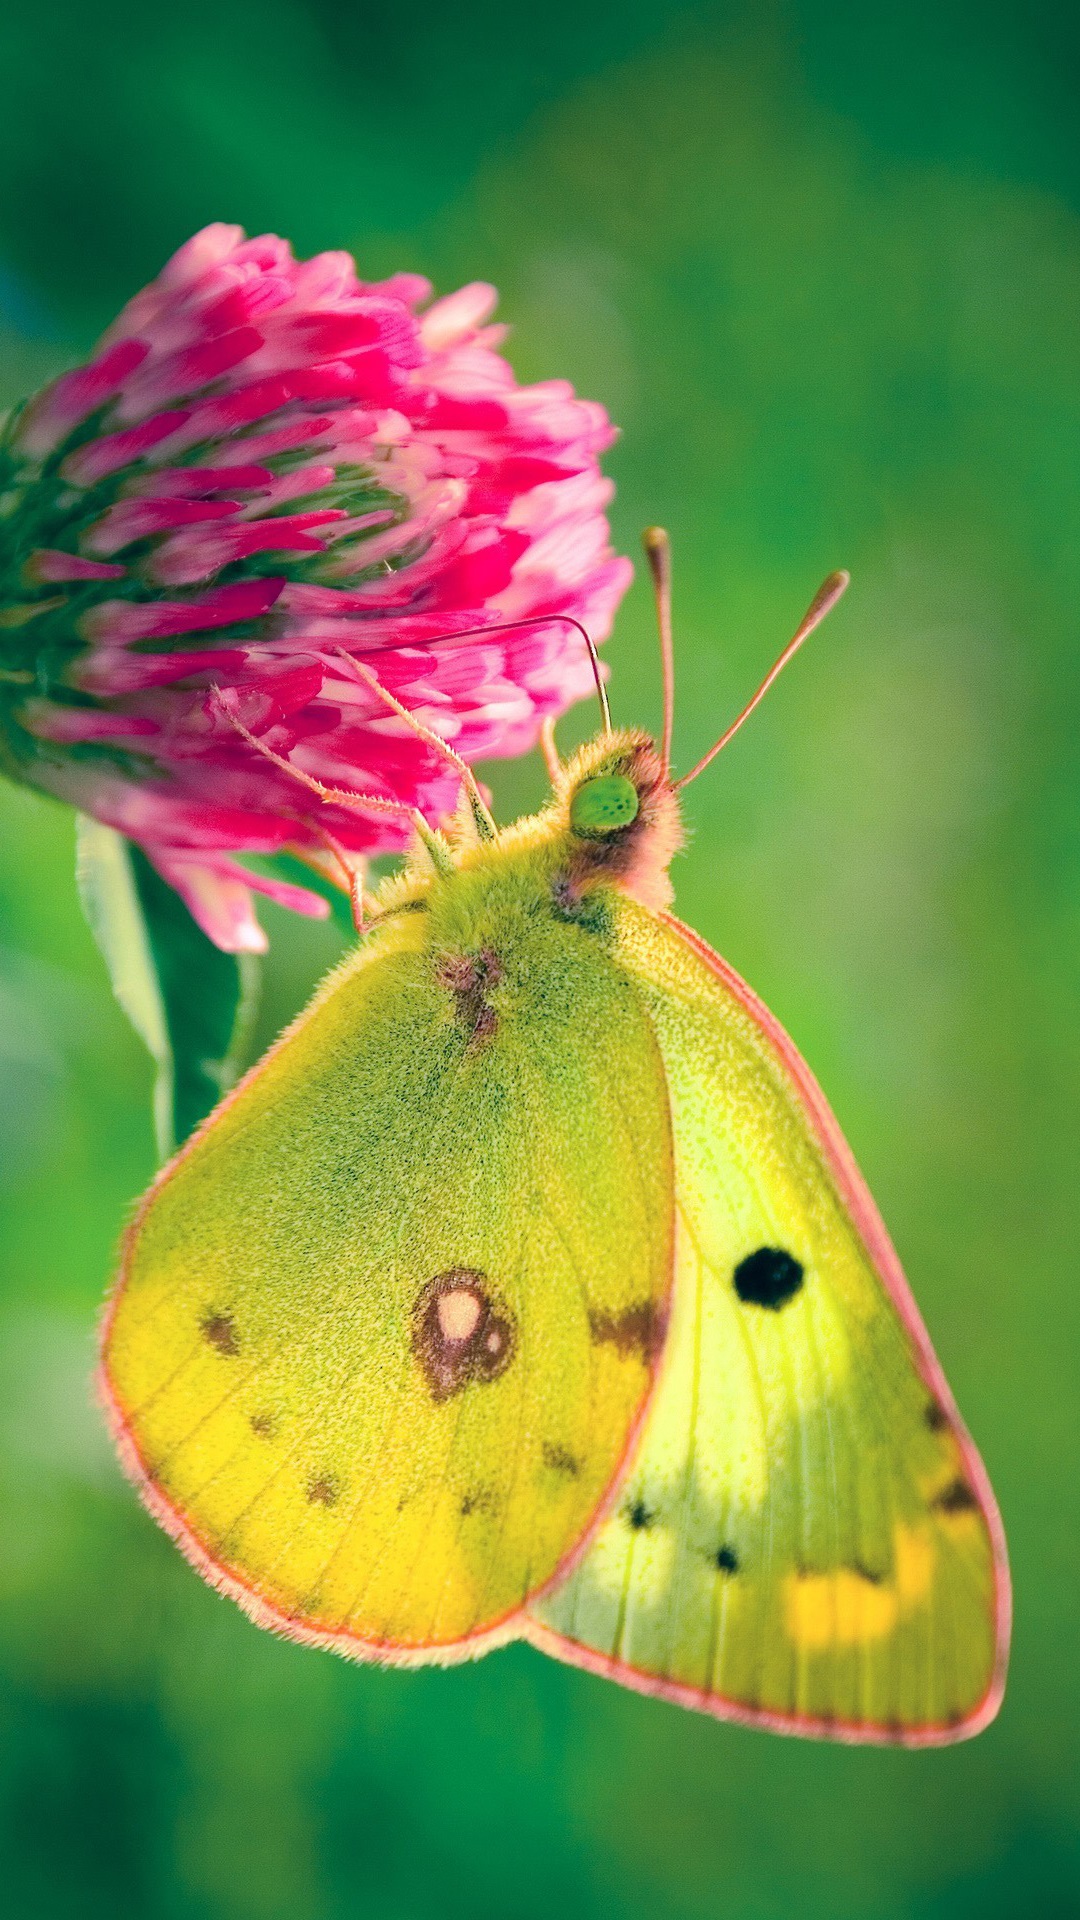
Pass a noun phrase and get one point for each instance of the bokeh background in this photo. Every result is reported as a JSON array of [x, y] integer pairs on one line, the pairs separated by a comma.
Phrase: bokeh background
[[822, 262]]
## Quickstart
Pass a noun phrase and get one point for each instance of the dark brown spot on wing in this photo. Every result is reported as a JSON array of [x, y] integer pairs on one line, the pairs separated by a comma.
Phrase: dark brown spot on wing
[[470, 977], [637, 1329], [480, 1500], [458, 972], [219, 1331], [263, 1424], [323, 1492], [487, 1021], [560, 1460], [585, 907], [957, 1497], [935, 1417], [460, 1335]]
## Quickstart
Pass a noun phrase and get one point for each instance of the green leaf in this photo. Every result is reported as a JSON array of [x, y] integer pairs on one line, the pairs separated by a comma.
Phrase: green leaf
[[191, 1004]]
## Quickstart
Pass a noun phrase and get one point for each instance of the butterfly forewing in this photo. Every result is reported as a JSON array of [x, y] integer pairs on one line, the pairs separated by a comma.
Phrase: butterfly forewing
[[805, 1536], [386, 1326]]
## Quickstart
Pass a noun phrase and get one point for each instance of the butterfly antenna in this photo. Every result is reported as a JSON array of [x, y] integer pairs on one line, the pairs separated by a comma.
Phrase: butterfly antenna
[[658, 554], [822, 603], [597, 670], [359, 671], [529, 620], [542, 620]]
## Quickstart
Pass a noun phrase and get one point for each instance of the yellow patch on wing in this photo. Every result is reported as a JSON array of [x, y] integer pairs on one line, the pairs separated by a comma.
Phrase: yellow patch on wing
[[847, 1607], [838, 1609], [916, 1556]]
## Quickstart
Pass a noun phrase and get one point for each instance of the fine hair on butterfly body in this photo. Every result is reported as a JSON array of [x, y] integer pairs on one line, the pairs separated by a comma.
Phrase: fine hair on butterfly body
[[528, 1289]]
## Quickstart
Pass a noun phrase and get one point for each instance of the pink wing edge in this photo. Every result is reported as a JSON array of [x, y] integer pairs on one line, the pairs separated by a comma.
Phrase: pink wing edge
[[195, 1550], [871, 1227]]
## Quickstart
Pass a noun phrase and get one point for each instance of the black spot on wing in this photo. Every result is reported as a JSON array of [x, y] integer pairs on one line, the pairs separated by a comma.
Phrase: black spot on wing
[[725, 1560], [935, 1416], [638, 1517], [768, 1278], [957, 1497]]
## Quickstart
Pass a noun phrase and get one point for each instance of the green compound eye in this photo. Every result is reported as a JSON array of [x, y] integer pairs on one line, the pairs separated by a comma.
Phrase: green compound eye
[[604, 805]]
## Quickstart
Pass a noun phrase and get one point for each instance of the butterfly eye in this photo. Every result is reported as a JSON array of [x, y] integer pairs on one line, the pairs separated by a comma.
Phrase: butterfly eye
[[603, 805]]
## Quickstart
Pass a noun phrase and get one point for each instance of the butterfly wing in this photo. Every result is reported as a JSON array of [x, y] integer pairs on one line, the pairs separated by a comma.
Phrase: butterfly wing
[[385, 1327], [806, 1538]]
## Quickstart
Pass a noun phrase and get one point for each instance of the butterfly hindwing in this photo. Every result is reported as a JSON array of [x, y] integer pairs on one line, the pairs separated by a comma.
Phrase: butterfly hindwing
[[806, 1537], [386, 1326]]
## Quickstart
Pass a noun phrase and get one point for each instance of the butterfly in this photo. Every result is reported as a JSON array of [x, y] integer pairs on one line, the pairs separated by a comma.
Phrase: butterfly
[[527, 1289]]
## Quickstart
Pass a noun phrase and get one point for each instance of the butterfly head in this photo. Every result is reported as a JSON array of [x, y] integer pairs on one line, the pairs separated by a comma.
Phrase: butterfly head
[[617, 798], [615, 817], [618, 816]]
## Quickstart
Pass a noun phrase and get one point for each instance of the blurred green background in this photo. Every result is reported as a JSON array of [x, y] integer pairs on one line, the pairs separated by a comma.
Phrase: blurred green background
[[822, 262]]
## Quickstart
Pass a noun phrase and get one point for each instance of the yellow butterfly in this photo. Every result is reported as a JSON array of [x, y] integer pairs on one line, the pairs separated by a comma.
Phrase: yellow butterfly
[[527, 1289]]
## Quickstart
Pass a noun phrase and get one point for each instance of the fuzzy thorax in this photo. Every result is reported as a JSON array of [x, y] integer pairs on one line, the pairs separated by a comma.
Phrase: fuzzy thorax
[[579, 842]]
